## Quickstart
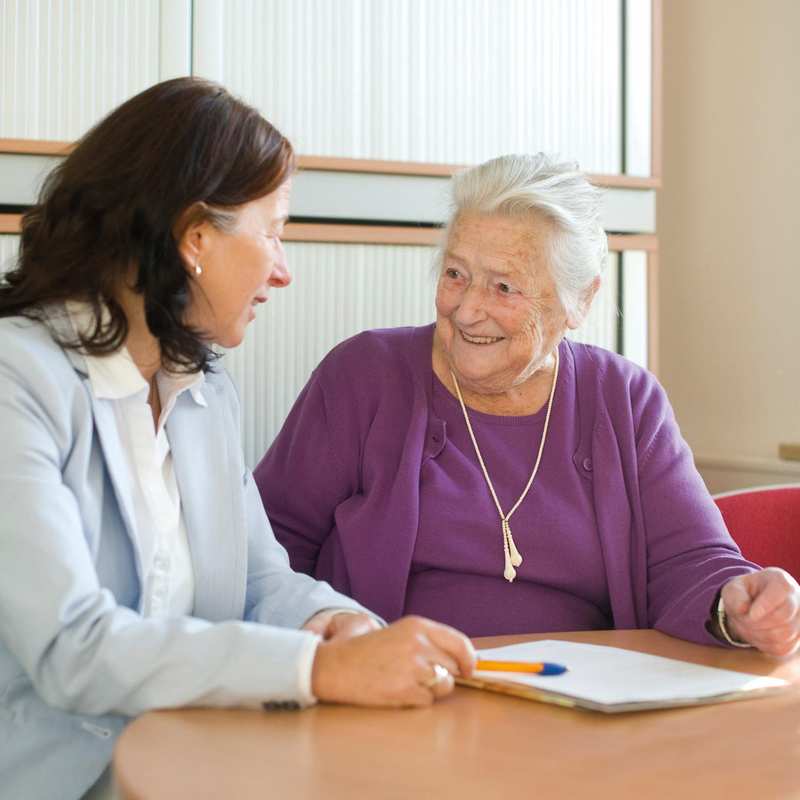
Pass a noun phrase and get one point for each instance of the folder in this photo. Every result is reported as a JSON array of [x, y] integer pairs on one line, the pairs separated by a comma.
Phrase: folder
[[612, 680]]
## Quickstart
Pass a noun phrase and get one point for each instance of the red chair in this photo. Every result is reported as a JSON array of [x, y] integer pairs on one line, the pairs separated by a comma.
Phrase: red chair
[[765, 523]]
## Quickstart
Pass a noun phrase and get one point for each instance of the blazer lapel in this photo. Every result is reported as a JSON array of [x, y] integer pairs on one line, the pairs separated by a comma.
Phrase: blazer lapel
[[107, 433], [118, 471], [210, 486]]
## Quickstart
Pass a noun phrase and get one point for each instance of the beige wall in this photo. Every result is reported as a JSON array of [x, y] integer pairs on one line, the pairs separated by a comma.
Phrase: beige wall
[[729, 225]]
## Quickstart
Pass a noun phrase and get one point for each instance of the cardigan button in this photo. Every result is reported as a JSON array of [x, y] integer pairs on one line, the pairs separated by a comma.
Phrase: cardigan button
[[587, 464]]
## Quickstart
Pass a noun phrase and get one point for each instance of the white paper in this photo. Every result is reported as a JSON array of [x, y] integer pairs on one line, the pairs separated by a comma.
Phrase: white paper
[[612, 676]]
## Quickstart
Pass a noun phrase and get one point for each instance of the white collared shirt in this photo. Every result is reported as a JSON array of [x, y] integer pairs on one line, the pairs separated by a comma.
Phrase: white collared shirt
[[159, 528]]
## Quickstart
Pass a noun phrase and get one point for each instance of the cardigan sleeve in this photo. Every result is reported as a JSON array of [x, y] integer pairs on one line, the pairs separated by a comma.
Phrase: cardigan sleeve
[[690, 553], [311, 467]]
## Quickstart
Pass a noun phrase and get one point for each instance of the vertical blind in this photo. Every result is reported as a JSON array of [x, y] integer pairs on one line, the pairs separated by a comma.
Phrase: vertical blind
[[65, 64], [455, 81]]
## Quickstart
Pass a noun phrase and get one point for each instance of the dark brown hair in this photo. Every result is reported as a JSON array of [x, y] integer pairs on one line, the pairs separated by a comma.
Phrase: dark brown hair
[[185, 145]]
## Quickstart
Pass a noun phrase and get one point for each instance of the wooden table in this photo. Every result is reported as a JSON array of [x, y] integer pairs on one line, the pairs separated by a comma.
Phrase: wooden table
[[480, 745]]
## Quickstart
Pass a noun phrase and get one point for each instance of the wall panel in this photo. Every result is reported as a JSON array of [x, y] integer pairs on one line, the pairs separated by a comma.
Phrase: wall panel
[[454, 81], [730, 327]]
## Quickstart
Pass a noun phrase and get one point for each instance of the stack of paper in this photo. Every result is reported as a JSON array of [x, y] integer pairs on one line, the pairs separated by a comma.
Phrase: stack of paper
[[610, 679]]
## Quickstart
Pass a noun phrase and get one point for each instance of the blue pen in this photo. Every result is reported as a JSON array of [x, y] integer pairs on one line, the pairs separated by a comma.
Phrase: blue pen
[[535, 667]]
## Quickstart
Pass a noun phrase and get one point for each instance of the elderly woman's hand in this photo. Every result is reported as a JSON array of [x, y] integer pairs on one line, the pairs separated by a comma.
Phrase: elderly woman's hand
[[763, 609], [410, 663], [336, 623]]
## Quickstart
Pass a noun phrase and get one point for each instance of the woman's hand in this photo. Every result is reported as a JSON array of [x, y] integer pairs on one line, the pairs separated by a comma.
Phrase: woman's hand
[[395, 666], [335, 623], [763, 609]]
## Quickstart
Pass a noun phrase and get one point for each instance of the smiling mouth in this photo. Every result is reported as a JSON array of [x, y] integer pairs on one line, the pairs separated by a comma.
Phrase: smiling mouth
[[480, 339]]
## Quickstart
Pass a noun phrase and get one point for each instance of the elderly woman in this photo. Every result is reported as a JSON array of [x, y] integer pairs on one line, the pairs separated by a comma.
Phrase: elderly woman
[[489, 473], [139, 570]]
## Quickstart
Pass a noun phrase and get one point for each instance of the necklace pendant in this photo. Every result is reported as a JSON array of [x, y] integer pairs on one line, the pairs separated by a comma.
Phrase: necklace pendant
[[514, 555], [510, 552]]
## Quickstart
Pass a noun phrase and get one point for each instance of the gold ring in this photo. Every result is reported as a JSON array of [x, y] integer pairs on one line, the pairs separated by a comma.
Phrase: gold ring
[[439, 674]]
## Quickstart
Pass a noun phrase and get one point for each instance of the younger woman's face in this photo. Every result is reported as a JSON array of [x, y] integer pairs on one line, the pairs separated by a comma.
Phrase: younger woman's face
[[238, 268]]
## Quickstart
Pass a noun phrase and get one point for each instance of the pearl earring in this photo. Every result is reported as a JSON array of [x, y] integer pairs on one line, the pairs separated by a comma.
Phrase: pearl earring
[[198, 270]]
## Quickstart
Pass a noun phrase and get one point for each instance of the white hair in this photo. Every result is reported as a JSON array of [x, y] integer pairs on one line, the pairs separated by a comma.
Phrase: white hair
[[516, 185]]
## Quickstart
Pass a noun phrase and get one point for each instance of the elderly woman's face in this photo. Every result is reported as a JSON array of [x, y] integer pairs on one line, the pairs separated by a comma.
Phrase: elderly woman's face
[[238, 268], [498, 314]]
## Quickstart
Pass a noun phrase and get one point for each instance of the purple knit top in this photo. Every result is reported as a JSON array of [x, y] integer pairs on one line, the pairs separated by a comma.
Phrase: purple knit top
[[373, 485], [457, 566]]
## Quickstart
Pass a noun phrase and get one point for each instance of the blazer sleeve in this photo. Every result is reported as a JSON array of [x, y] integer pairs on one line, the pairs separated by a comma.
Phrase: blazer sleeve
[[310, 469], [81, 650], [690, 553]]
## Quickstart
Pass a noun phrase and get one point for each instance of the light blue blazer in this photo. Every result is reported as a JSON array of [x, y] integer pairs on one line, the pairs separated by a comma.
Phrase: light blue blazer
[[76, 658]]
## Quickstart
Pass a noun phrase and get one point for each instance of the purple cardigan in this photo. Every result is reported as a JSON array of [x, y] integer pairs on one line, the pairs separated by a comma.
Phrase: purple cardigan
[[341, 481]]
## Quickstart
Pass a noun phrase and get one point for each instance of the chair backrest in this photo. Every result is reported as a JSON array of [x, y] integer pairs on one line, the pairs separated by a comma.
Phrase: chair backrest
[[765, 523]]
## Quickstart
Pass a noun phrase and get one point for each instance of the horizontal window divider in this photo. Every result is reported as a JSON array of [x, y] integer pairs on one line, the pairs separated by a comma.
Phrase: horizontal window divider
[[36, 147], [361, 234], [366, 222], [620, 242], [10, 223], [319, 231], [339, 164]]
